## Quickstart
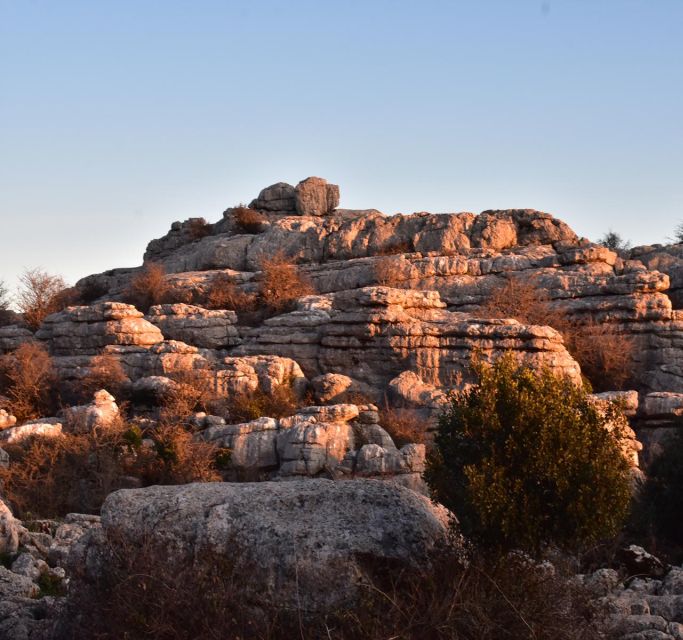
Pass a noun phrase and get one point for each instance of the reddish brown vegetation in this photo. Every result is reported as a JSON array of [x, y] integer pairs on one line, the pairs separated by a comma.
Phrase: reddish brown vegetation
[[248, 220], [606, 357], [41, 294], [282, 284], [198, 228], [142, 594], [225, 294], [27, 378], [403, 425]]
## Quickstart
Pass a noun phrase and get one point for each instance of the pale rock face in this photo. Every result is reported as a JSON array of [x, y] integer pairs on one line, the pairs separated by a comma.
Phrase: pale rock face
[[101, 413], [277, 198], [662, 405], [6, 420], [87, 330], [315, 197], [196, 326], [303, 537], [237, 375], [332, 388], [407, 389], [44, 427], [342, 440], [10, 530], [375, 333]]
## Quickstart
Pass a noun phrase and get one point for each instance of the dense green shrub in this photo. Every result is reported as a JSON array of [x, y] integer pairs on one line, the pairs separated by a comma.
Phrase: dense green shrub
[[525, 459]]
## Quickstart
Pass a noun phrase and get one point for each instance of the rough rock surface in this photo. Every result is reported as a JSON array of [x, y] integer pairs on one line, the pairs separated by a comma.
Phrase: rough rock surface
[[101, 413], [375, 333], [302, 538], [277, 198], [43, 427], [342, 440], [86, 330], [315, 197], [12, 336], [196, 326]]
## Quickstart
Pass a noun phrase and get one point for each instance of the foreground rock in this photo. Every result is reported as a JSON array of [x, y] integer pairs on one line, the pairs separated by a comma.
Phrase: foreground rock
[[301, 540]]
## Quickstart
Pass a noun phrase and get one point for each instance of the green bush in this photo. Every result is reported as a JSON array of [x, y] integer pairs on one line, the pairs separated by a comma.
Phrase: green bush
[[525, 459]]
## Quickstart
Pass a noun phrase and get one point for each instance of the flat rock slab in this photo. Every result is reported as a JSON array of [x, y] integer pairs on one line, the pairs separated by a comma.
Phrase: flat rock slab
[[302, 540]]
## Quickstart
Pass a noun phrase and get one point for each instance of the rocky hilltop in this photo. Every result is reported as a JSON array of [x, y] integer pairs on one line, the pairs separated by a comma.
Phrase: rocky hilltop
[[387, 312]]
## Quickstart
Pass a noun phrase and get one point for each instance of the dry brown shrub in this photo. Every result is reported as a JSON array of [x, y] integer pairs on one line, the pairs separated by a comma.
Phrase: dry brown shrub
[[248, 220], [387, 273], [104, 372], [606, 357], [224, 293], [198, 228], [404, 425], [41, 294], [252, 405], [523, 301], [281, 283], [50, 477], [6, 314], [194, 390], [140, 593], [148, 287], [177, 458], [27, 378], [395, 248]]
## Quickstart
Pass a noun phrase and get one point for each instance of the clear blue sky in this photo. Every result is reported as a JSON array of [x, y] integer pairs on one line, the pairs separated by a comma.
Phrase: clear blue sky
[[119, 117]]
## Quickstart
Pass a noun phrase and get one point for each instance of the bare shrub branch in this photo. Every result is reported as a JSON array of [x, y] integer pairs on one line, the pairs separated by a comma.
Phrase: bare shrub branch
[[41, 294]]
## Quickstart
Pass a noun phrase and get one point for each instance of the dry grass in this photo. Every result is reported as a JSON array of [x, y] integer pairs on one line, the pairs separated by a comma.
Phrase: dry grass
[[27, 378], [405, 426], [606, 358], [248, 220], [143, 595], [282, 284], [41, 294]]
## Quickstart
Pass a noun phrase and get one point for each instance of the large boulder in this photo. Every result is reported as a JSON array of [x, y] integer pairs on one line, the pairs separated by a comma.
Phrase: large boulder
[[302, 541], [315, 197], [101, 413], [277, 198]]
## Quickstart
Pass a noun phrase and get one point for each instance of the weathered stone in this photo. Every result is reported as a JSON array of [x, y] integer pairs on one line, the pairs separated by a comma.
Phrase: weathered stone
[[13, 336], [239, 375], [101, 413], [277, 198], [13, 585], [315, 197], [6, 420], [196, 326], [303, 539], [86, 330], [10, 529], [45, 428]]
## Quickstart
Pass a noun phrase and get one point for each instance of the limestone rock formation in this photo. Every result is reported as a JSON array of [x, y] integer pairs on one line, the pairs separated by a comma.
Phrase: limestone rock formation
[[302, 539], [343, 440], [86, 330], [315, 197], [375, 333], [43, 427], [101, 413], [12, 336], [196, 326], [277, 198]]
